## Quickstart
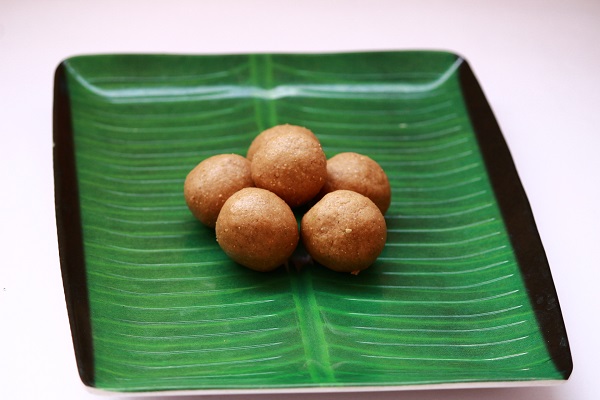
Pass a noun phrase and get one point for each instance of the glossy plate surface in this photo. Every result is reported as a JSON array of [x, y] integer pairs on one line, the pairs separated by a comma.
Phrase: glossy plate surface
[[461, 294]]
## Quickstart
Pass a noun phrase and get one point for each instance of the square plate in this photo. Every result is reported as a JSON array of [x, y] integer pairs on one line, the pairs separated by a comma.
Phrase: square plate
[[461, 296]]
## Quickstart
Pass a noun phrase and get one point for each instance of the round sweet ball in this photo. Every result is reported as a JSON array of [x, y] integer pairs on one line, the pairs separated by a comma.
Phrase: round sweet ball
[[361, 174], [344, 231], [257, 229], [211, 182], [292, 166], [274, 131]]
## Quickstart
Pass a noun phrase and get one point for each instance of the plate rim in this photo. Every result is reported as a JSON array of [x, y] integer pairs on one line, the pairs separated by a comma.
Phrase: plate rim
[[506, 184], [521, 226]]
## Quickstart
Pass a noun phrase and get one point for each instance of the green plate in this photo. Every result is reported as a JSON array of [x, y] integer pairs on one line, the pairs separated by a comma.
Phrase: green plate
[[462, 294]]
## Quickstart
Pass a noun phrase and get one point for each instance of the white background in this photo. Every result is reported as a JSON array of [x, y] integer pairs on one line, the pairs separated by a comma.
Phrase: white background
[[537, 61]]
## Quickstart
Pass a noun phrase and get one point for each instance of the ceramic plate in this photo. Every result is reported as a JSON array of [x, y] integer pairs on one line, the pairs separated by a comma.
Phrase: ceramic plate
[[461, 296]]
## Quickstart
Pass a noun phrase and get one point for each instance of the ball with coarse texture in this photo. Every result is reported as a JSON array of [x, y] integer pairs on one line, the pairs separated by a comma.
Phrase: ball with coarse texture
[[257, 229], [211, 182], [344, 231], [361, 174], [274, 131], [291, 165]]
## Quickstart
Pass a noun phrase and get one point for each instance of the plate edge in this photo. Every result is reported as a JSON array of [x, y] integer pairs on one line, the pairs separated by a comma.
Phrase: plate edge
[[332, 389], [522, 229], [71, 244], [69, 228], [364, 51]]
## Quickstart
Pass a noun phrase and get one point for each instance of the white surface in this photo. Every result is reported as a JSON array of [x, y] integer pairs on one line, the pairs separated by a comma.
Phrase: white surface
[[537, 61]]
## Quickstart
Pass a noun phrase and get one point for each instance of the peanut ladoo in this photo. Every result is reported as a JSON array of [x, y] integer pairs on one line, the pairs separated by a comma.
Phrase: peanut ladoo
[[211, 182], [361, 174], [257, 229], [291, 165], [270, 133], [345, 231]]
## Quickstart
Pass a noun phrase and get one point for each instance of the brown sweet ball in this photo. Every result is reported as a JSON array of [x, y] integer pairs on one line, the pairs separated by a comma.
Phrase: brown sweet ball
[[292, 166], [344, 231], [270, 133], [211, 182], [361, 174], [257, 229]]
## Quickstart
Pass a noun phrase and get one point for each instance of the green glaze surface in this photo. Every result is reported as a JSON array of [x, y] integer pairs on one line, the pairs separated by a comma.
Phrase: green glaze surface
[[444, 303]]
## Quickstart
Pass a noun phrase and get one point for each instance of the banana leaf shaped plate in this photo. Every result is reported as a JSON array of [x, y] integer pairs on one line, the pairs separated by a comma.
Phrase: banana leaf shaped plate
[[462, 295]]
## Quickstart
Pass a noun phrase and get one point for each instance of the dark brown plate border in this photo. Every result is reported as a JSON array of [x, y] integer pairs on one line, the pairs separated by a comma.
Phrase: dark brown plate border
[[509, 192], [518, 218], [69, 229]]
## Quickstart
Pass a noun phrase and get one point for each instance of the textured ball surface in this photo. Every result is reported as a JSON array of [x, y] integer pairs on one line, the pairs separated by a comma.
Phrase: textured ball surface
[[270, 133], [211, 182], [292, 166], [257, 229], [344, 231], [361, 174]]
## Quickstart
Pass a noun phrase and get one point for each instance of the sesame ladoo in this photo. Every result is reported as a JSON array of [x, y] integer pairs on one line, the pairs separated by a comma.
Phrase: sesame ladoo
[[212, 181], [291, 165], [274, 131], [345, 231], [257, 229], [361, 174]]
